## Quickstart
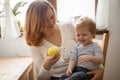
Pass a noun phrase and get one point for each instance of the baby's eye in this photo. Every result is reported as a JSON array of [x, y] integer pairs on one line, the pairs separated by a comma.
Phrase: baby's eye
[[78, 35]]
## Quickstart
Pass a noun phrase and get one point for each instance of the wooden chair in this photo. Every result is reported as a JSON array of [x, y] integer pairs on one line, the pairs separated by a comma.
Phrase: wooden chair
[[103, 42]]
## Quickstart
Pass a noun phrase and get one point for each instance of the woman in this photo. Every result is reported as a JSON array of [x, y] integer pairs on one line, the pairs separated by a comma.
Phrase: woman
[[41, 32]]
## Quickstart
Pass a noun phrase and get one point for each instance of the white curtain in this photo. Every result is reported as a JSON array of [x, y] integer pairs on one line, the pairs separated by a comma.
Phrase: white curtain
[[102, 14], [9, 26]]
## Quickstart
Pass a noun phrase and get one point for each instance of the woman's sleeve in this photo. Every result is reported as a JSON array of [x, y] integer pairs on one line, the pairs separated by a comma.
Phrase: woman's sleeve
[[40, 72], [67, 28], [72, 31]]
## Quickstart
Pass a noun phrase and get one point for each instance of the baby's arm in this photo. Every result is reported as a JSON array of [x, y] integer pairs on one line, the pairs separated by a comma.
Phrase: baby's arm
[[98, 55], [85, 58], [71, 65], [95, 59]]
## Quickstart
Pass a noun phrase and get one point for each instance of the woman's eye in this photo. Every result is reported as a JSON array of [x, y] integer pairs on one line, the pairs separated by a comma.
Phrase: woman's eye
[[51, 17], [78, 35]]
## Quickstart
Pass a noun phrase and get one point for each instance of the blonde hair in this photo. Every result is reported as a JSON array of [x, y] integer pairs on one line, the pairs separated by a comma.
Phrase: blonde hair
[[86, 22], [36, 21]]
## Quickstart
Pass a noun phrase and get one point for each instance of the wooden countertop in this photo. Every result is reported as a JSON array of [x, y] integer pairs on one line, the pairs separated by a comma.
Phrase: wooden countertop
[[15, 68]]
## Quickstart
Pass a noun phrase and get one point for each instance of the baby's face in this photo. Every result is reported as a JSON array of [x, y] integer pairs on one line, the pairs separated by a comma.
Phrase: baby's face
[[83, 36]]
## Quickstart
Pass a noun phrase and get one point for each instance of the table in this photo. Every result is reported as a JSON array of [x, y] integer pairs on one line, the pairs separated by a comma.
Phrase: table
[[16, 68]]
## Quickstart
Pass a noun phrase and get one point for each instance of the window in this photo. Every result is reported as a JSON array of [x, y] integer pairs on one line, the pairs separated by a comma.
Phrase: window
[[70, 8], [21, 16]]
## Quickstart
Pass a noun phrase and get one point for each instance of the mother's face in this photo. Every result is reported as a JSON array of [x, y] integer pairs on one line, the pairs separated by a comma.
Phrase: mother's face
[[50, 21]]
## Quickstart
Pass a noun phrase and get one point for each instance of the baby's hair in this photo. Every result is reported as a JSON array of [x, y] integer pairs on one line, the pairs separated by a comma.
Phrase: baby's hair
[[86, 22]]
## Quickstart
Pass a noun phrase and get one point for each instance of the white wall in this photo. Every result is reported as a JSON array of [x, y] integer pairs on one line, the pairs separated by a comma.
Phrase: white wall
[[112, 69]]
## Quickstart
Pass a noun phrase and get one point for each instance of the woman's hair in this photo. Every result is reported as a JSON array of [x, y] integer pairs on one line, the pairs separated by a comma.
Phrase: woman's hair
[[87, 23], [36, 20]]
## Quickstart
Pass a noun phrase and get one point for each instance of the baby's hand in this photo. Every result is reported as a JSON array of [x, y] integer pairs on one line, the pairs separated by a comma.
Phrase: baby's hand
[[69, 72], [84, 59]]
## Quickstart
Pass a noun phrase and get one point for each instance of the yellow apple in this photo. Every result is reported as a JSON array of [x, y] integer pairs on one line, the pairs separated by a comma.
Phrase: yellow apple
[[53, 50]]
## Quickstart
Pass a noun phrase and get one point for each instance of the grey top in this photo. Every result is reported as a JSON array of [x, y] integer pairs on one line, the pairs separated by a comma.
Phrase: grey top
[[92, 49]]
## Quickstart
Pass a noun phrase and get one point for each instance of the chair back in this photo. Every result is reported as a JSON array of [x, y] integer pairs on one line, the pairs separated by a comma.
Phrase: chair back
[[103, 42]]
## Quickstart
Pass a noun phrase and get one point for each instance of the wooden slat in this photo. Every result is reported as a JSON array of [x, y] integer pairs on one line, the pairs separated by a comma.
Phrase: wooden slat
[[105, 46], [100, 32], [31, 74]]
